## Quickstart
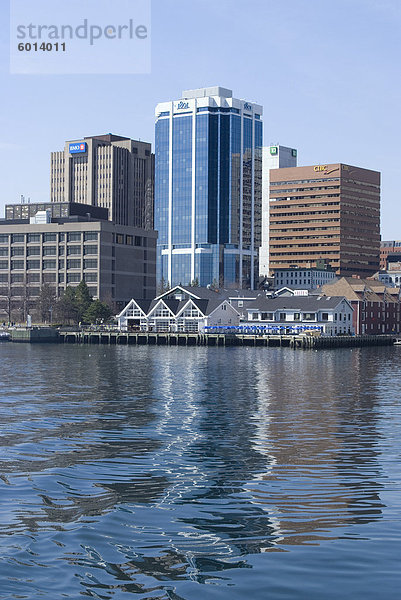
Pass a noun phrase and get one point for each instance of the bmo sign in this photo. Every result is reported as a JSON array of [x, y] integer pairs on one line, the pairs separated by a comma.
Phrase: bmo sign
[[77, 148]]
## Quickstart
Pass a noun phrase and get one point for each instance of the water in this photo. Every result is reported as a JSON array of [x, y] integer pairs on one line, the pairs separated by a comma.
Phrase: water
[[191, 473]]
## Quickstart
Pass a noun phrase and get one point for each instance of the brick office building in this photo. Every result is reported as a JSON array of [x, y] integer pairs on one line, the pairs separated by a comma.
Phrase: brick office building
[[329, 212]]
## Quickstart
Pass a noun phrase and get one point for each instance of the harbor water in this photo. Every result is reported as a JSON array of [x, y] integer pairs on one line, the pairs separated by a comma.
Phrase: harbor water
[[177, 473]]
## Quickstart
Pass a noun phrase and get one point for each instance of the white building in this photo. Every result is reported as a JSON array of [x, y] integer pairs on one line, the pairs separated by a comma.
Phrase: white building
[[273, 157], [181, 309], [292, 315]]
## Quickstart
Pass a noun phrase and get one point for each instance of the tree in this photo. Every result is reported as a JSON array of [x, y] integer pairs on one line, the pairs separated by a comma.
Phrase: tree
[[97, 311], [66, 306], [83, 299], [195, 282], [46, 302], [162, 286]]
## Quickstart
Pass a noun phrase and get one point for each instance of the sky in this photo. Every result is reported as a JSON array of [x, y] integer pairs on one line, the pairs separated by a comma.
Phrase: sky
[[327, 74]]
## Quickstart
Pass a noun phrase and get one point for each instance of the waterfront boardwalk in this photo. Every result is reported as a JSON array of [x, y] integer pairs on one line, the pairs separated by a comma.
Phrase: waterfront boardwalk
[[221, 339]]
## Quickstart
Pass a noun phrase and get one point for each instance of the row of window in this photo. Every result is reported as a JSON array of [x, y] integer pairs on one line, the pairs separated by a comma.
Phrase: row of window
[[50, 250], [73, 236], [74, 263]]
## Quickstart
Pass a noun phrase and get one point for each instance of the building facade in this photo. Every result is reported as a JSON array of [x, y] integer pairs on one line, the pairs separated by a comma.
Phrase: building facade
[[181, 309], [273, 157], [376, 306], [329, 316], [386, 248], [108, 171], [116, 262], [208, 188], [303, 279], [325, 212]]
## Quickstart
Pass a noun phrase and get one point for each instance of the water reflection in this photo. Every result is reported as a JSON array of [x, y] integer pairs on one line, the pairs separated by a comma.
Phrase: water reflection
[[151, 468]]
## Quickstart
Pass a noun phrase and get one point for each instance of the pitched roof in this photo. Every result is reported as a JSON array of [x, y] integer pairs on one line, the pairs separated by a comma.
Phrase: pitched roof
[[302, 303], [357, 289]]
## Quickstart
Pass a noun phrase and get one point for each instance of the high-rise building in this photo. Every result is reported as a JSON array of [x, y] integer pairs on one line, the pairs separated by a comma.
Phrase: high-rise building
[[208, 190], [329, 212], [110, 171], [273, 157]]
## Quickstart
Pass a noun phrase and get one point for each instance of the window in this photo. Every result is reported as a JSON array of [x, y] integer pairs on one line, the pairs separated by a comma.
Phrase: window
[[17, 264], [49, 251], [33, 277], [73, 277], [74, 236], [33, 264], [49, 264], [3, 238], [18, 278], [297, 316], [90, 236], [4, 277], [309, 316], [19, 251], [61, 277], [138, 240], [119, 238], [92, 277], [3, 264], [3, 251], [17, 238], [73, 250], [325, 316], [61, 263], [267, 316], [61, 237], [49, 237], [49, 277], [90, 263], [61, 250], [283, 316], [129, 240], [74, 263], [33, 237], [90, 249], [33, 251]]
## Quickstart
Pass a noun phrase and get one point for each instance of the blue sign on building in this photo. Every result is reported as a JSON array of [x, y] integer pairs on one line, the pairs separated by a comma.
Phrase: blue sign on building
[[77, 148]]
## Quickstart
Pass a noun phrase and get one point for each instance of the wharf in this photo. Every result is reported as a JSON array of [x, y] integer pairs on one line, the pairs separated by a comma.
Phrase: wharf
[[221, 339]]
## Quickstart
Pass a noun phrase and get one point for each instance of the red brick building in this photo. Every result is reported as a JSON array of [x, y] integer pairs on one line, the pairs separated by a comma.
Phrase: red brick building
[[376, 307]]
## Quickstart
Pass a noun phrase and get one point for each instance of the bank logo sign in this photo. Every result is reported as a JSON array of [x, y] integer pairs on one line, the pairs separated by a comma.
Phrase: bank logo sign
[[77, 148], [273, 150], [247, 106], [182, 105]]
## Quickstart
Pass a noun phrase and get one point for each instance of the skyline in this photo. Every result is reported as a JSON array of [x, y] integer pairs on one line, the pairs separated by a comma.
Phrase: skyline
[[326, 78]]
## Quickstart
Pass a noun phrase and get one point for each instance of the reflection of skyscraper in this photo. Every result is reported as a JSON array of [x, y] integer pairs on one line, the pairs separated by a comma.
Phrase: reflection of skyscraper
[[208, 188]]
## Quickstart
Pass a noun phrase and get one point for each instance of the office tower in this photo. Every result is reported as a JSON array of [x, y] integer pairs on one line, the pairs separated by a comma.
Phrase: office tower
[[208, 192], [329, 212], [116, 261], [273, 157], [387, 248], [109, 171]]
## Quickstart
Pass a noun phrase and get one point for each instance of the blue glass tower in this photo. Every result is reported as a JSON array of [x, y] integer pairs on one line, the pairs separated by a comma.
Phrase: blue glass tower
[[208, 189]]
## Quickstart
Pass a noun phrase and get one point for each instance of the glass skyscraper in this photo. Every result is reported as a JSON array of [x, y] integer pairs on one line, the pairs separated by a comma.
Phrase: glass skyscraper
[[208, 189]]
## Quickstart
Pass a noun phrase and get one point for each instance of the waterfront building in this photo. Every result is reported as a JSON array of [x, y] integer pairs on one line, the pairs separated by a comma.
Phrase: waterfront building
[[273, 157], [392, 275], [298, 278], [387, 248], [291, 315], [109, 171], [117, 262], [208, 189], [376, 306], [325, 212], [181, 309]]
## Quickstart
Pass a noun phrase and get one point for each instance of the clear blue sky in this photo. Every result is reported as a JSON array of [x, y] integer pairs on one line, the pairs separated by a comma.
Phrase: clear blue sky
[[327, 73]]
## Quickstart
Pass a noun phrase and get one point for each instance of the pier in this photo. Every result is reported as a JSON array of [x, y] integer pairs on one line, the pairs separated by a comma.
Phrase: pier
[[221, 339]]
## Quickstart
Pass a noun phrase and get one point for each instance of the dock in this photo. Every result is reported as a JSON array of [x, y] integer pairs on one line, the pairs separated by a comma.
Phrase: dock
[[221, 339]]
